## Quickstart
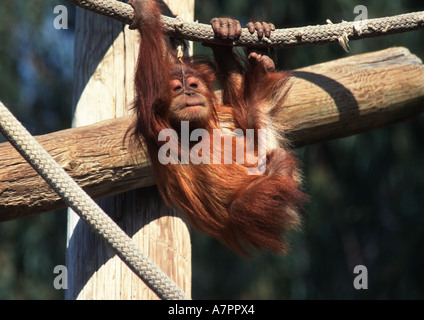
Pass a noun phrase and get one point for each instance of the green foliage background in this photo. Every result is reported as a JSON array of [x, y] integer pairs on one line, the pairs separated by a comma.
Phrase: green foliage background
[[367, 191]]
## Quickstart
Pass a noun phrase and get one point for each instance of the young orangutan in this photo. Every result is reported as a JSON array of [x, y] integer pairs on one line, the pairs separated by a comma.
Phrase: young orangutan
[[247, 202]]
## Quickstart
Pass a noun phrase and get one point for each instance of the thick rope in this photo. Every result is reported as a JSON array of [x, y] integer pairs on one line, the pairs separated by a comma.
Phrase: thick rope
[[281, 38], [86, 208]]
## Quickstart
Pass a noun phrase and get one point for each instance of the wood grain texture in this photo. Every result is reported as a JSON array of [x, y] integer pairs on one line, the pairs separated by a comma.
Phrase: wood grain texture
[[326, 101], [355, 94]]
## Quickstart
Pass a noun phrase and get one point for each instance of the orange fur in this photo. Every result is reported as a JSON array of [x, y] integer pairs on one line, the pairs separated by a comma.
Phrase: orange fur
[[243, 211]]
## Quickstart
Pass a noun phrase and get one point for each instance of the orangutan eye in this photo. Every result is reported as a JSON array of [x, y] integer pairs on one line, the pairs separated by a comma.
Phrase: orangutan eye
[[176, 85]]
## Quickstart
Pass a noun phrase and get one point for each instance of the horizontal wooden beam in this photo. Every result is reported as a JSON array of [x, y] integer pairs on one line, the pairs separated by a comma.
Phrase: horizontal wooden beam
[[326, 101]]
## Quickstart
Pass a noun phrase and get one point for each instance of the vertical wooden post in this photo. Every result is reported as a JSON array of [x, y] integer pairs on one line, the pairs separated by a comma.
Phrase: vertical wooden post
[[105, 59]]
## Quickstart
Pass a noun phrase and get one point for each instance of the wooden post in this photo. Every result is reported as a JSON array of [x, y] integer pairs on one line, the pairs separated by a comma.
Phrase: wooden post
[[105, 58]]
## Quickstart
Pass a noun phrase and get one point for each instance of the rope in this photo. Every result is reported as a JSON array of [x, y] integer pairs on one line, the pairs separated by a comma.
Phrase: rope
[[86, 208], [291, 37]]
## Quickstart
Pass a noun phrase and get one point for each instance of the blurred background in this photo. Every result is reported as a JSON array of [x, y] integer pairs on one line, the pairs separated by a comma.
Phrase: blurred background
[[367, 191]]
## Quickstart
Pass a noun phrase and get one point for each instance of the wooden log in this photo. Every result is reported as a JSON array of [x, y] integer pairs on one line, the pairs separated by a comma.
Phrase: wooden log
[[348, 96], [326, 101]]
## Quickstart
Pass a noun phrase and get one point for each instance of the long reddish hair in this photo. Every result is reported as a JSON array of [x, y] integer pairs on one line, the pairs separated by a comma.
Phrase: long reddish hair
[[243, 211]]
